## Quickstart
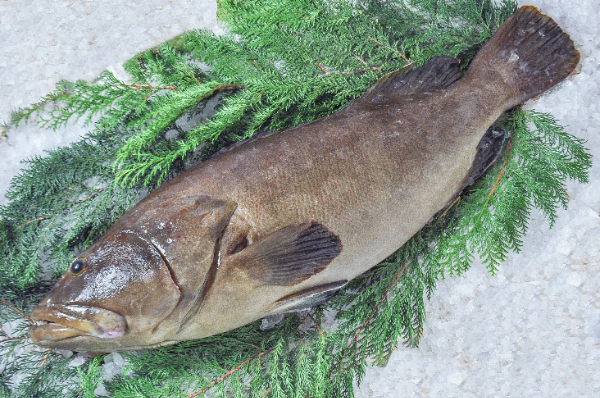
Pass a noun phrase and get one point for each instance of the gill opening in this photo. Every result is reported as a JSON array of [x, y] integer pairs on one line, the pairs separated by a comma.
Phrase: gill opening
[[175, 281], [206, 285], [168, 264]]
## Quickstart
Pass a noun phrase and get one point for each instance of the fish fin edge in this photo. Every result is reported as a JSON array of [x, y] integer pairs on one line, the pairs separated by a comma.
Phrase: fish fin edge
[[488, 152], [289, 255], [307, 298], [438, 73]]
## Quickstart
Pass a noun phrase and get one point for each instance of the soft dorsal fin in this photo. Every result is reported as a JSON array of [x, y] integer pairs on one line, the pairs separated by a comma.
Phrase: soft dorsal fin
[[436, 74], [289, 255]]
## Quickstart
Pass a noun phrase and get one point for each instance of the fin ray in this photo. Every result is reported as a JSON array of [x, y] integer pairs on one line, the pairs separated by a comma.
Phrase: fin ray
[[436, 74], [290, 255], [530, 52], [488, 151]]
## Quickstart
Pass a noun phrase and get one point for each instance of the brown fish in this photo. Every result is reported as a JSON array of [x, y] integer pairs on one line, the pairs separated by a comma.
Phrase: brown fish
[[282, 222]]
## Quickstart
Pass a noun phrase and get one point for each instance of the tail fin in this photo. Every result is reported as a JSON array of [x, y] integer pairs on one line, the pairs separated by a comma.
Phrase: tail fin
[[531, 53]]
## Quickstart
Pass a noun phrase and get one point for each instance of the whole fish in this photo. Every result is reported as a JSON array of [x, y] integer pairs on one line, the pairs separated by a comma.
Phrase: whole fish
[[283, 221]]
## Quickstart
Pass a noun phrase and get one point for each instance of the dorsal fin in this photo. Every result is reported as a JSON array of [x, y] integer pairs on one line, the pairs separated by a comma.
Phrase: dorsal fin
[[436, 74]]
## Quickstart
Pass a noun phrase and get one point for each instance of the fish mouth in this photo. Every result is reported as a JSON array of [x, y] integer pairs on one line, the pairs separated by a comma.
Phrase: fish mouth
[[55, 323]]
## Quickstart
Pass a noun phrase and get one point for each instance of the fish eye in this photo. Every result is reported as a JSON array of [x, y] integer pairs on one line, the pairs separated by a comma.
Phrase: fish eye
[[78, 266]]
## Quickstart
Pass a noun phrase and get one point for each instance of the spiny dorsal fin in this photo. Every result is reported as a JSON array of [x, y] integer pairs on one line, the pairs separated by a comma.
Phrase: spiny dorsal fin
[[436, 74], [290, 255], [307, 298]]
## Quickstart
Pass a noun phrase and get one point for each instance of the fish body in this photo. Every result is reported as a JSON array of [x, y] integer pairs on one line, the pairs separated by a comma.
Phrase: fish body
[[283, 221]]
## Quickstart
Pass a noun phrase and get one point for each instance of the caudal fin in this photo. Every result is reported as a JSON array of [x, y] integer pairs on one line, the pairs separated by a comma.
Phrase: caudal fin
[[531, 53]]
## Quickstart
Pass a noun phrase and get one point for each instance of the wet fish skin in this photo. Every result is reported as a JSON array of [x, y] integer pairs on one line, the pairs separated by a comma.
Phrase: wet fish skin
[[283, 221]]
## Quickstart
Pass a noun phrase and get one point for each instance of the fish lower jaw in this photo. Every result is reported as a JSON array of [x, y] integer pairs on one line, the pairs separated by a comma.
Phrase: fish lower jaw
[[45, 332], [54, 324], [53, 335]]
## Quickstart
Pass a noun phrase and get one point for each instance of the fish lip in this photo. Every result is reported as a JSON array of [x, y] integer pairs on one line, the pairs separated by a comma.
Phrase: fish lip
[[55, 323]]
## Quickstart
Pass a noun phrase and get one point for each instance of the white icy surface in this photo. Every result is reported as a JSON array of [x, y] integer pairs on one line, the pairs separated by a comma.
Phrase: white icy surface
[[531, 331]]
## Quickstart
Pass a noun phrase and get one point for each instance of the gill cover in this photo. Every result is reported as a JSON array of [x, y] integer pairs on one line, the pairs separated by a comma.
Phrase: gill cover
[[187, 231]]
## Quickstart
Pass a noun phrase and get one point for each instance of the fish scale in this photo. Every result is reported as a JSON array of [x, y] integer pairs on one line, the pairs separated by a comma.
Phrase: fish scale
[[283, 221]]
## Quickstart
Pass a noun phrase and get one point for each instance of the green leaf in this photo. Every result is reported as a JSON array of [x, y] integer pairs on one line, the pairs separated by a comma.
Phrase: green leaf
[[91, 379]]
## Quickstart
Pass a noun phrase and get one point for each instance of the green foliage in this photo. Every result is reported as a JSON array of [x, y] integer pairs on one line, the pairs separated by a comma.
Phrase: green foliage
[[285, 62], [39, 373], [91, 379], [537, 163], [59, 203]]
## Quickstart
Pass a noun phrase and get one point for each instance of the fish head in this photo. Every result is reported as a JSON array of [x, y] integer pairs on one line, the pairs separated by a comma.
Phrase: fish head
[[113, 296]]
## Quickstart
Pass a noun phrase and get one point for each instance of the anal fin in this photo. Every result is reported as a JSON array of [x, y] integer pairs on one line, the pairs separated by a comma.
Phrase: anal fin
[[488, 151]]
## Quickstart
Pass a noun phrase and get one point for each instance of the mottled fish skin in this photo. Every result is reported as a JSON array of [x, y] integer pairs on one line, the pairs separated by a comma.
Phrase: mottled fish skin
[[283, 221]]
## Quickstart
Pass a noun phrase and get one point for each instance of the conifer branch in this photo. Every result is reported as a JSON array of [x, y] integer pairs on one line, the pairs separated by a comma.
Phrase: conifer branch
[[264, 78], [30, 221], [391, 49], [374, 311], [17, 310], [8, 338], [322, 68], [352, 72], [229, 373], [446, 210], [148, 86], [503, 168], [92, 196], [316, 324], [44, 360]]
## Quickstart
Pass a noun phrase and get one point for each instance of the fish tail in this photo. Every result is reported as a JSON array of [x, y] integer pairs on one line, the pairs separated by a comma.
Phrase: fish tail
[[530, 52]]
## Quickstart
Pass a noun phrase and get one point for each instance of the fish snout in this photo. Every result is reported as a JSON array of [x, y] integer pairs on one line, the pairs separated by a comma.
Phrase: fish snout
[[58, 322]]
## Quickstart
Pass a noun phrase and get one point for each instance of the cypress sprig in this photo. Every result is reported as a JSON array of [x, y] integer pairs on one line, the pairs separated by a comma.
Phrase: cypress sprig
[[283, 63], [90, 379]]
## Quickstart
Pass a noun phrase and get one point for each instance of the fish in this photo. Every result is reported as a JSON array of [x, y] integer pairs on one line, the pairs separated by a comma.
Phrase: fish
[[282, 221]]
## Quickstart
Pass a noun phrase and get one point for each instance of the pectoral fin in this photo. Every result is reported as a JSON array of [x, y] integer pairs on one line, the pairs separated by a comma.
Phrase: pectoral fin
[[290, 255], [307, 298]]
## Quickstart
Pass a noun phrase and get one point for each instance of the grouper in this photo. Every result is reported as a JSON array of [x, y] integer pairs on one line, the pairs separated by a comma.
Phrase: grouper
[[283, 221]]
